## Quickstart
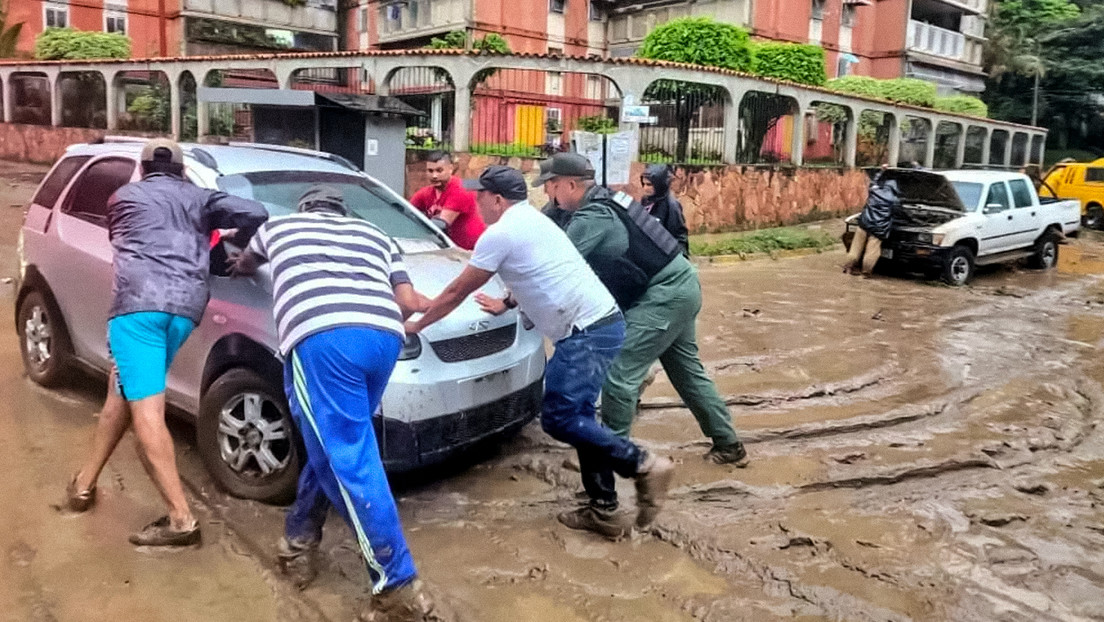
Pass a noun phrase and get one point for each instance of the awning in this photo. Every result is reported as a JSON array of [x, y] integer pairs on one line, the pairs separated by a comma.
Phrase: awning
[[379, 104], [300, 98], [859, 2], [848, 57]]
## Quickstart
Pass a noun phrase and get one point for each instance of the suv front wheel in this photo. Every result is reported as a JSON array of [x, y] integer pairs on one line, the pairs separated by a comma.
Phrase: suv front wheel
[[42, 340], [247, 439]]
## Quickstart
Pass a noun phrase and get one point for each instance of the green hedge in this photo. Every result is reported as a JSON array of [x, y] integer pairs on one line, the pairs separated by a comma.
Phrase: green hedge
[[903, 90], [70, 44], [700, 41], [962, 104], [802, 63]]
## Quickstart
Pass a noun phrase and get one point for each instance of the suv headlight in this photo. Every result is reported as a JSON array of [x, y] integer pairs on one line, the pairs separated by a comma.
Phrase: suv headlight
[[411, 349]]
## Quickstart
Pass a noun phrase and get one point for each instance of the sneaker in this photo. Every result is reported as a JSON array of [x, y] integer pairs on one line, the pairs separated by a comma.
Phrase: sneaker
[[77, 501], [733, 454], [607, 523], [298, 561], [406, 603], [651, 488], [161, 533]]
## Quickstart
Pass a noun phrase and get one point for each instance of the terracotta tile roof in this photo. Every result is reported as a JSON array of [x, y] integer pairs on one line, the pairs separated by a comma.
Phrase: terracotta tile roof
[[353, 54]]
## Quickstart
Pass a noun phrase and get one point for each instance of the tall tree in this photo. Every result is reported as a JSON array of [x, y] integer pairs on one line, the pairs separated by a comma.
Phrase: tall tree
[[9, 34]]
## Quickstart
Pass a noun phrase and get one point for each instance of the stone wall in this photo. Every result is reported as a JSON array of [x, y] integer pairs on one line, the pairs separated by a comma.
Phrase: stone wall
[[714, 198], [42, 144]]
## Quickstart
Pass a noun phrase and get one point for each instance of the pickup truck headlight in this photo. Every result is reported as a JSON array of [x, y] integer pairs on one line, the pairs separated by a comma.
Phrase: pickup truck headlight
[[411, 348], [924, 238]]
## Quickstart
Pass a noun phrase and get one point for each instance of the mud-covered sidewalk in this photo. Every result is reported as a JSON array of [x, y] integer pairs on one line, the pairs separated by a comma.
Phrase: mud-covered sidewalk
[[919, 452]]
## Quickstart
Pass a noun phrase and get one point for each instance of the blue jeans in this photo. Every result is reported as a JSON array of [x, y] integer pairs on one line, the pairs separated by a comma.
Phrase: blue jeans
[[572, 381], [334, 382]]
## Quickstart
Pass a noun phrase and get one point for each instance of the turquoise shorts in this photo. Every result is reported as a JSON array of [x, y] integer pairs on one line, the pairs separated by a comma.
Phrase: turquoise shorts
[[143, 345]]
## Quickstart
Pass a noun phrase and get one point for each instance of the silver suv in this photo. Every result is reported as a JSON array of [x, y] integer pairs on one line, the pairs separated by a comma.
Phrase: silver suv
[[468, 378]]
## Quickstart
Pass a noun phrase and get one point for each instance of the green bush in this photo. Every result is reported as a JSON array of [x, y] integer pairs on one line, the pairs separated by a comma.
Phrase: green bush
[[962, 104], [597, 124], [762, 241], [509, 150], [902, 90], [69, 44], [795, 62], [700, 41]]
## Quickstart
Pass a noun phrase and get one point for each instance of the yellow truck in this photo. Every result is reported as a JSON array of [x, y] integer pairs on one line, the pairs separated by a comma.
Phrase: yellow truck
[[1083, 181]]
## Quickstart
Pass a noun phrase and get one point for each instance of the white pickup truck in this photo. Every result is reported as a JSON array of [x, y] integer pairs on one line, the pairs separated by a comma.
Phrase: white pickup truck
[[953, 221]]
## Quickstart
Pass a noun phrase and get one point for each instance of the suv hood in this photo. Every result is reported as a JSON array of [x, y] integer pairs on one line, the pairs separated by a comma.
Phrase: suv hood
[[924, 188]]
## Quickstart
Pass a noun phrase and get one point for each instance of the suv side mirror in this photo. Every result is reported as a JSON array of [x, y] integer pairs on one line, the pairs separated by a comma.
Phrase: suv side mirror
[[993, 207]]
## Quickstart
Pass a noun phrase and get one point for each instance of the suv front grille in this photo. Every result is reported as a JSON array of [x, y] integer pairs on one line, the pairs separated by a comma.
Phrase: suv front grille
[[475, 346]]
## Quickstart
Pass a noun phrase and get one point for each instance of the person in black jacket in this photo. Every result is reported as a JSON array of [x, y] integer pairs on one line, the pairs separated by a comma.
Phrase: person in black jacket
[[662, 204], [875, 223]]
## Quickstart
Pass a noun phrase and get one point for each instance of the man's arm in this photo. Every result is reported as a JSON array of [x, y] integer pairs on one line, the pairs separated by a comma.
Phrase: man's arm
[[410, 300], [460, 288], [226, 211]]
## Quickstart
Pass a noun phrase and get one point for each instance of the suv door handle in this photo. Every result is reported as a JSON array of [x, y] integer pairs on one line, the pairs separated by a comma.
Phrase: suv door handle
[[1032, 213], [1010, 217]]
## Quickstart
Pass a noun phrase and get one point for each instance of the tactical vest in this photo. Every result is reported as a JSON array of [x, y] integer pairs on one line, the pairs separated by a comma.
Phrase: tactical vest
[[651, 248]]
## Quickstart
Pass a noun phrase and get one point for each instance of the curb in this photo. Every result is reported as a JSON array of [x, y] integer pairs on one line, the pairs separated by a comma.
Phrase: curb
[[783, 254]]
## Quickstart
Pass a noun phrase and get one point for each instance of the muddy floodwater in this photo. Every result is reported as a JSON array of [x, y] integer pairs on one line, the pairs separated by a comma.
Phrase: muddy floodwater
[[919, 452]]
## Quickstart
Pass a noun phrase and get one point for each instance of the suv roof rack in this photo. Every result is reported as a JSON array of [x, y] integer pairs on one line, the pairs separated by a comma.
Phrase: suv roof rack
[[199, 154], [300, 151], [118, 139]]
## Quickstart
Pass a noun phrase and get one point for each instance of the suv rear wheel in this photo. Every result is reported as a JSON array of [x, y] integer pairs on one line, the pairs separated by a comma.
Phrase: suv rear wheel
[[1094, 216], [247, 439], [42, 340]]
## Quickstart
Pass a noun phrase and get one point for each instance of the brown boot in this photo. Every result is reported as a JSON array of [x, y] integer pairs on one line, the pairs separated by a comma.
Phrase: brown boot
[[407, 603], [652, 483], [607, 523], [298, 561]]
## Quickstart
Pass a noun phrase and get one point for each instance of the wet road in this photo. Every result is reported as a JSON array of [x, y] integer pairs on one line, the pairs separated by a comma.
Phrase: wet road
[[918, 452]]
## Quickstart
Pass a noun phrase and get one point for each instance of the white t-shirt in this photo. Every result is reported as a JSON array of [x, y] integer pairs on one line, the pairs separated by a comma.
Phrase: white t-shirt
[[550, 280]]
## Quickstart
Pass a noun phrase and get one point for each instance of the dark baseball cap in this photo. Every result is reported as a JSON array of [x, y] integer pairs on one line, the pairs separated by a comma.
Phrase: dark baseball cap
[[501, 180], [564, 165], [323, 196]]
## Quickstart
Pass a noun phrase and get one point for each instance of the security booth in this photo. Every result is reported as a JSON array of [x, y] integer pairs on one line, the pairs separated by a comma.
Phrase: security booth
[[367, 130]]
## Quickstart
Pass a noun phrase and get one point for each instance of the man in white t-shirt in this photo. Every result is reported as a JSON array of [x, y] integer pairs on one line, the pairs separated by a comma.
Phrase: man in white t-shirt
[[552, 283]]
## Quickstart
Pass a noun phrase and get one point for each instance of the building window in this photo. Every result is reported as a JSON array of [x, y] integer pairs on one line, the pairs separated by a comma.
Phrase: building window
[[115, 22], [554, 51], [554, 83], [847, 17], [362, 19], [594, 88], [55, 16], [392, 16], [818, 9], [557, 6], [595, 13], [843, 67]]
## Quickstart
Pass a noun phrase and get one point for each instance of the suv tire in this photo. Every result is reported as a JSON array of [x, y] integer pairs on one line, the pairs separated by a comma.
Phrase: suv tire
[[43, 342], [1094, 216], [959, 268], [1046, 251], [247, 439]]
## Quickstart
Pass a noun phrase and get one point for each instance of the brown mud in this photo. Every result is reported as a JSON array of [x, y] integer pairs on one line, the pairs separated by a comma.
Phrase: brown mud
[[919, 452]]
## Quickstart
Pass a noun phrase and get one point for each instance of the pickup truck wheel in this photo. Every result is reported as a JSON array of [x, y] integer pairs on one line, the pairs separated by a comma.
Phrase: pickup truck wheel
[[1046, 251], [247, 439], [43, 342], [959, 268], [1094, 216]]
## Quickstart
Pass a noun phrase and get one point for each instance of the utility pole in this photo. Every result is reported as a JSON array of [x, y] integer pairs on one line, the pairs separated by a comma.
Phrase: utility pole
[[1035, 101]]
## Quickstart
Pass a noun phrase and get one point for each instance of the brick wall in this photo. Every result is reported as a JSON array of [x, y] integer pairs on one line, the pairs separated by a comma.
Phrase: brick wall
[[716, 198], [40, 143]]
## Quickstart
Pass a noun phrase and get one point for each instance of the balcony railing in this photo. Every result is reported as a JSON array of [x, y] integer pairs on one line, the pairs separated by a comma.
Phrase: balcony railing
[[936, 41]]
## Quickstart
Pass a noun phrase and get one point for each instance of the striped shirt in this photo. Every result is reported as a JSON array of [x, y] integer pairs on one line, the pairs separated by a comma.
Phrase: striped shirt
[[329, 271]]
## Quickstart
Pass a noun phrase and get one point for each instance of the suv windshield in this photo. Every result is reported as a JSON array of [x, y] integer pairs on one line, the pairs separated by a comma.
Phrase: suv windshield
[[279, 191], [969, 192]]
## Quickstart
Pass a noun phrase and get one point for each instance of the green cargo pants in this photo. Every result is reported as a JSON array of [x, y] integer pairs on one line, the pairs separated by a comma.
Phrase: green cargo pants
[[661, 325]]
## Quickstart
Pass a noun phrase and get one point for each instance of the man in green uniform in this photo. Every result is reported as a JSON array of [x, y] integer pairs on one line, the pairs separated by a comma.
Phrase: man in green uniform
[[658, 289]]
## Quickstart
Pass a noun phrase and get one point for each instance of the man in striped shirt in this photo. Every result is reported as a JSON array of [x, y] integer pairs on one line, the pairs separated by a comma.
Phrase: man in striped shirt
[[341, 293]]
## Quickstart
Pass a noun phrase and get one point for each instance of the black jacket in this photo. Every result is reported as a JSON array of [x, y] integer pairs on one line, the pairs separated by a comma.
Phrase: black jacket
[[877, 215], [160, 230], [665, 207]]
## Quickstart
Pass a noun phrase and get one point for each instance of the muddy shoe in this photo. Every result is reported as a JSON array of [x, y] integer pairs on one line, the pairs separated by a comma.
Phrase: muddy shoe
[[609, 524], [407, 603], [77, 501], [298, 562], [161, 533], [734, 454], [651, 488]]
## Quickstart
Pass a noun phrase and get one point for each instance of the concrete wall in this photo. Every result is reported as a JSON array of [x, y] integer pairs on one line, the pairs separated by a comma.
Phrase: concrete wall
[[715, 198], [42, 144]]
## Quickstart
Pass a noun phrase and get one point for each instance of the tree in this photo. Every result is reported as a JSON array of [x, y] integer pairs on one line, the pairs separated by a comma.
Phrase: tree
[[70, 44], [700, 41], [9, 34], [491, 43]]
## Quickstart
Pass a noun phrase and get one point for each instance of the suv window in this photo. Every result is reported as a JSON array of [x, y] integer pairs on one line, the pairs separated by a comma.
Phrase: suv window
[[1094, 173], [58, 178], [88, 198], [998, 194], [1021, 193]]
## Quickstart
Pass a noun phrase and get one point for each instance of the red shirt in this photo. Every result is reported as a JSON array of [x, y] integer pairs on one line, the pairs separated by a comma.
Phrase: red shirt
[[468, 226]]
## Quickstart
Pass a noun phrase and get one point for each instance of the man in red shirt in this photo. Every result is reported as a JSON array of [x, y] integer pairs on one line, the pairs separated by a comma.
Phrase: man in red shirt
[[446, 202]]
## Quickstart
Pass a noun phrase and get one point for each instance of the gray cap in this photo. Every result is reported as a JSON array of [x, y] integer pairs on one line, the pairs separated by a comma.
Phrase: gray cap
[[162, 150], [322, 196], [501, 180], [564, 165]]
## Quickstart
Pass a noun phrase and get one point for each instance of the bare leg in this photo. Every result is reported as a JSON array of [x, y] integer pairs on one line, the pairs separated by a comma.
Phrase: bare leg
[[113, 422], [155, 446]]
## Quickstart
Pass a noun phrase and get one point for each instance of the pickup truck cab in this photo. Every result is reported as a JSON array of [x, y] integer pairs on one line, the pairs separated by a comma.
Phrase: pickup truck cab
[[953, 221]]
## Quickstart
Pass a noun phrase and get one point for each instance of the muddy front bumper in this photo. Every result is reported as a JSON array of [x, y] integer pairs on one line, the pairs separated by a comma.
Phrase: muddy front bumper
[[915, 254]]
